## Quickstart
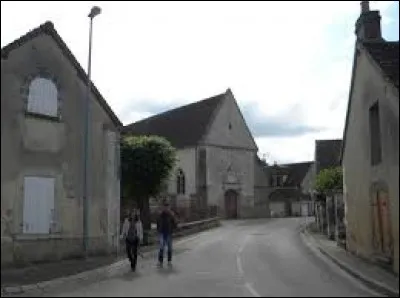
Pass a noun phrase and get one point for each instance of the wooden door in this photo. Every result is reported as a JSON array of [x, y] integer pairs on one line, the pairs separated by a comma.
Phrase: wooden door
[[382, 238], [231, 202]]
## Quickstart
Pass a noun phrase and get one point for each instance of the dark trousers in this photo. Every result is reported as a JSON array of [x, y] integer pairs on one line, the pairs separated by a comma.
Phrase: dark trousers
[[165, 240], [132, 251]]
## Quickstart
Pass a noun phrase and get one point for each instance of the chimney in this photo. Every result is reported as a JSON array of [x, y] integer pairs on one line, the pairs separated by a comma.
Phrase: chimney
[[364, 6], [368, 25]]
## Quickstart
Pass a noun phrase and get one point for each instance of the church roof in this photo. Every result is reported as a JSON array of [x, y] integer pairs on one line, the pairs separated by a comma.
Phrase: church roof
[[184, 126]]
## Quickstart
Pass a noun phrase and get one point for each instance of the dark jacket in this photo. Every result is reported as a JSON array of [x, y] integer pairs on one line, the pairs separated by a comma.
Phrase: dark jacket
[[166, 223]]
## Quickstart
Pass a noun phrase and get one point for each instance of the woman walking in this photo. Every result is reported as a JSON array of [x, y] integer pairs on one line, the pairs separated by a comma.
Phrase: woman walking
[[132, 232]]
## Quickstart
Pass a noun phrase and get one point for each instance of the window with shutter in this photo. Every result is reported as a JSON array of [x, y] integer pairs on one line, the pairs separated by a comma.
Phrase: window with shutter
[[38, 212], [43, 97]]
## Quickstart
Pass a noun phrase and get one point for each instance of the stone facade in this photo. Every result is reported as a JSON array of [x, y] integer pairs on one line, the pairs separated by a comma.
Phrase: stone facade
[[223, 161], [33, 145], [262, 189], [367, 184], [288, 189], [359, 175]]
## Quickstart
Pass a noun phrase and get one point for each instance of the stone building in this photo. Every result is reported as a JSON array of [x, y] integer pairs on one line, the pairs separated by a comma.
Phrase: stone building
[[217, 160], [43, 88], [370, 152], [286, 195], [262, 189]]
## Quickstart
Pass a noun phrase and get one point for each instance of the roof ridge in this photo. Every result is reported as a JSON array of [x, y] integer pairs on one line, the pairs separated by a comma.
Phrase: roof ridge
[[44, 27], [177, 108], [49, 28], [380, 41], [297, 163], [183, 126], [328, 140]]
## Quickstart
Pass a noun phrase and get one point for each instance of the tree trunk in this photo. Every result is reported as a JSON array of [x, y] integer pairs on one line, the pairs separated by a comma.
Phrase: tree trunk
[[144, 207]]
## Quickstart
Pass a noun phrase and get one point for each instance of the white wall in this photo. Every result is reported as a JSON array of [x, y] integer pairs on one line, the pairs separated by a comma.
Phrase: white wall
[[238, 135], [186, 160]]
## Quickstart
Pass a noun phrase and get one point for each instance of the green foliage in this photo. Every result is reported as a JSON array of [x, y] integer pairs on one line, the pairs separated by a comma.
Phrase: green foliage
[[146, 162], [329, 180]]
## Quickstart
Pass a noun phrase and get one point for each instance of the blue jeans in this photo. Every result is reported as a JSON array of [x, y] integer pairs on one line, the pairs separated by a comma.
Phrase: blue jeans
[[165, 240]]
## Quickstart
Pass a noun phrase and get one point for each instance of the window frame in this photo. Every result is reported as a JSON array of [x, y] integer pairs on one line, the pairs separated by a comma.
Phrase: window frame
[[25, 91], [375, 135], [180, 182]]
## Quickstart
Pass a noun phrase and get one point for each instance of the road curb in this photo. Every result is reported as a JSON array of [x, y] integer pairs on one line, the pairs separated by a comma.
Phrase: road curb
[[370, 283], [49, 285], [112, 270]]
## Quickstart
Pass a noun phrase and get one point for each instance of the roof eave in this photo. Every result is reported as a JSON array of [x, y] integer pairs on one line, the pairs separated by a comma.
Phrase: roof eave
[[48, 28], [356, 53]]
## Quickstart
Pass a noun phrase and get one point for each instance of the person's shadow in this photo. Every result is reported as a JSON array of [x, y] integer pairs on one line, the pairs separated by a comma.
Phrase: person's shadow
[[166, 270], [131, 275]]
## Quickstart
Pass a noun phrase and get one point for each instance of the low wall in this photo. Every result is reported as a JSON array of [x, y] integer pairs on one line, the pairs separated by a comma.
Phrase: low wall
[[25, 250]]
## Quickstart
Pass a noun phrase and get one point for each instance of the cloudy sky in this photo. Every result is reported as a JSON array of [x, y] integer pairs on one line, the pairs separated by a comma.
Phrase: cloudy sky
[[287, 63]]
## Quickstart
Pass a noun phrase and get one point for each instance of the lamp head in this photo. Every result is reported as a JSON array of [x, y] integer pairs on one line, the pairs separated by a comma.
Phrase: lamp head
[[94, 12]]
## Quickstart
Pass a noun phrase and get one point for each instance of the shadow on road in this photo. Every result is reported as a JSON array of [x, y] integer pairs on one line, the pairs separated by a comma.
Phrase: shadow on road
[[168, 271]]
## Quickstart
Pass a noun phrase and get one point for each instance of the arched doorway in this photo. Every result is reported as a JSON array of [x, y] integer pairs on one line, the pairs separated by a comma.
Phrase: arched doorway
[[231, 204], [381, 222]]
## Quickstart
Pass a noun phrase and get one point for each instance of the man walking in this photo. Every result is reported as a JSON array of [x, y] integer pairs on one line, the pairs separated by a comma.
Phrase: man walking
[[166, 223]]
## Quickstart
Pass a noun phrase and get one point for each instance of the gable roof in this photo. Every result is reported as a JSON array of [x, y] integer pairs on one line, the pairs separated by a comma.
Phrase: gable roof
[[327, 154], [287, 195], [48, 28], [184, 126], [297, 173], [386, 55]]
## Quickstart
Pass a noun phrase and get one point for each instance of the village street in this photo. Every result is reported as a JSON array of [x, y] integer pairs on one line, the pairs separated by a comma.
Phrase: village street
[[241, 259]]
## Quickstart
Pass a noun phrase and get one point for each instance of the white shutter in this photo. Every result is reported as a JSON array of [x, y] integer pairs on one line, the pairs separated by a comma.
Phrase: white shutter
[[42, 98], [304, 209], [38, 210], [277, 208]]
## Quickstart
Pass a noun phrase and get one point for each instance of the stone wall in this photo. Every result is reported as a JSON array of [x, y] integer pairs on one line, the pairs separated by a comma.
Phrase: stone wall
[[359, 175], [53, 147]]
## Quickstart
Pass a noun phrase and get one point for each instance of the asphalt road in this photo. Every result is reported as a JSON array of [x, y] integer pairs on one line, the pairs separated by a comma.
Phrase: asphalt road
[[254, 258]]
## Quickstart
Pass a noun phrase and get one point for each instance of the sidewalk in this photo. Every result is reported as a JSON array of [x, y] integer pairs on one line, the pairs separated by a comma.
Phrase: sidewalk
[[373, 276], [39, 278]]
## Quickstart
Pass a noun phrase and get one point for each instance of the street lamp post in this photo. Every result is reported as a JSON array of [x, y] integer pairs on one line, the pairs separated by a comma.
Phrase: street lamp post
[[93, 12]]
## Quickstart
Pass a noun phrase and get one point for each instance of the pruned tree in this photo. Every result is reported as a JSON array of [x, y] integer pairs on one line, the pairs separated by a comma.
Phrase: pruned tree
[[146, 163], [328, 180]]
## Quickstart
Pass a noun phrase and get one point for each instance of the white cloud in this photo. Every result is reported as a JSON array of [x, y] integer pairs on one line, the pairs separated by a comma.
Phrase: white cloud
[[276, 54]]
